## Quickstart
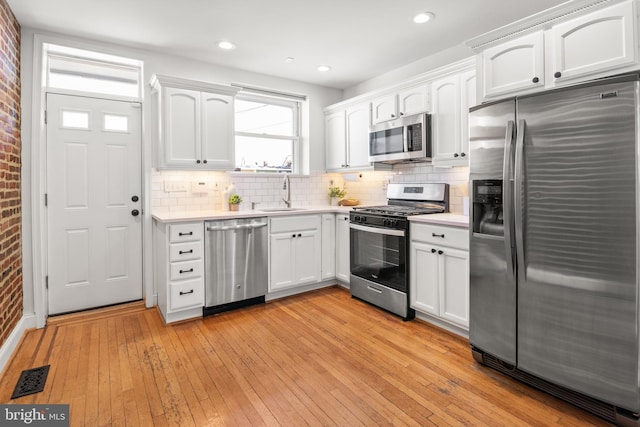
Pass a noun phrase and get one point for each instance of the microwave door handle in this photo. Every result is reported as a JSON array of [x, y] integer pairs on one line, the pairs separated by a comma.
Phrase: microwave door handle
[[405, 134], [409, 139]]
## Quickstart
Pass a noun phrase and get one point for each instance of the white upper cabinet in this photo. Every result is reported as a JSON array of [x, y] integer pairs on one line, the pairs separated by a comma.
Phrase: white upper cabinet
[[452, 97], [358, 120], [413, 100], [347, 138], [384, 108], [195, 124], [405, 102], [514, 65], [561, 46], [217, 139], [602, 40]]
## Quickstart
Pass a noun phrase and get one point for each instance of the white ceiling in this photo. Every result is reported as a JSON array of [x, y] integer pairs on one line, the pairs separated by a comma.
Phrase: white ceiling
[[359, 39]]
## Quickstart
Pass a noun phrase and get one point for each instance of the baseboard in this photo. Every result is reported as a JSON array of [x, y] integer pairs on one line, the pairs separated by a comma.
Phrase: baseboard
[[10, 345], [298, 290]]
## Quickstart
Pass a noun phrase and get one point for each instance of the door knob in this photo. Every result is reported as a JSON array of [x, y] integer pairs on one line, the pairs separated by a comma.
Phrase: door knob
[[135, 198], [135, 212]]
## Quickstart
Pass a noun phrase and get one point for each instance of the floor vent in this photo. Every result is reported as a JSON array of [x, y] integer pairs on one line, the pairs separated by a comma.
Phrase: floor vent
[[31, 381]]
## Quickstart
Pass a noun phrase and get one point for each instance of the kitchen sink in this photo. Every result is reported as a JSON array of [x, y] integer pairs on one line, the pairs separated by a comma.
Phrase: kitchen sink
[[281, 209]]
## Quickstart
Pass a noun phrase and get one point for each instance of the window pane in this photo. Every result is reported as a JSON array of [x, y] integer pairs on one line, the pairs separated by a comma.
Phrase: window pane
[[116, 123], [264, 154], [263, 118], [75, 120]]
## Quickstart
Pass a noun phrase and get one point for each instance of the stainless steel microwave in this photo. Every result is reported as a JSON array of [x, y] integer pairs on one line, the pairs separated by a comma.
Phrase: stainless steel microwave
[[401, 140]]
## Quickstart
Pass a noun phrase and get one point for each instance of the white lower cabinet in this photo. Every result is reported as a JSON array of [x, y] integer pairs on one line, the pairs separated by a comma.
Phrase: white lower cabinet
[[179, 269], [328, 246], [342, 253], [295, 251], [439, 281]]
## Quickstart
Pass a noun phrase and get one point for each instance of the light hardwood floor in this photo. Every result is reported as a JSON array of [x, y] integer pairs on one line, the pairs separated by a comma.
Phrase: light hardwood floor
[[320, 358]]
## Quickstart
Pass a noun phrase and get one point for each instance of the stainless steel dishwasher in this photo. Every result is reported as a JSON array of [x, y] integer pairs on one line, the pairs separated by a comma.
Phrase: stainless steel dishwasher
[[236, 273]]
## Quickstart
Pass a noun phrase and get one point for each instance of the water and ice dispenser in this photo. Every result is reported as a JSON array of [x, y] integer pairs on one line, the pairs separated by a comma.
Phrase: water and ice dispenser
[[487, 207]]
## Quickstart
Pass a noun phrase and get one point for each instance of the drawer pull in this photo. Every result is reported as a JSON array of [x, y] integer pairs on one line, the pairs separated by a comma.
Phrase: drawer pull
[[371, 288], [190, 251], [187, 271], [437, 235], [186, 293], [186, 234]]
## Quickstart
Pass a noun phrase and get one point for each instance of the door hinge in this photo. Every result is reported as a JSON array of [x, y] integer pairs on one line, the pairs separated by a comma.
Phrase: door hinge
[[46, 282], [46, 199]]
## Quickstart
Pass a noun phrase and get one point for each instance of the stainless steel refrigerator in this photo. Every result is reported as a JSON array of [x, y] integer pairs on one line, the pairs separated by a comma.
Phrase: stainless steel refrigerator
[[553, 245]]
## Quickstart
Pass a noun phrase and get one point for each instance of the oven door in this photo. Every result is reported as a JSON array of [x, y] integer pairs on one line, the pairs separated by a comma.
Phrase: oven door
[[379, 255]]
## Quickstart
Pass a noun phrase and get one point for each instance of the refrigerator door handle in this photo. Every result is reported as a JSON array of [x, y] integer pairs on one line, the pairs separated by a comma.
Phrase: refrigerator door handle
[[518, 195], [507, 196]]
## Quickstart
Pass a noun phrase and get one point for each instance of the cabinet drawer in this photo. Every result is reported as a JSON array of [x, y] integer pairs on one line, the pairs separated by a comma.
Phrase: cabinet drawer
[[295, 223], [186, 232], [186, 269], [439, 235], [185, 251], [185, 294]]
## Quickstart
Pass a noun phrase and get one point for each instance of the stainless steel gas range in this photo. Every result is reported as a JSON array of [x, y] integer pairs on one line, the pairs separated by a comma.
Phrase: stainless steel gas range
[[380, 244]]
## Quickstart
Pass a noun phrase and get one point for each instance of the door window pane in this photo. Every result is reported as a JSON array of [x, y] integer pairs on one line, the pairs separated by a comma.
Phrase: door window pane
[[116, 123], [75, 119]]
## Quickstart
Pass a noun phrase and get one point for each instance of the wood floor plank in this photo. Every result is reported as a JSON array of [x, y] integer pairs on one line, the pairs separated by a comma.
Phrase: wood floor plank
[[319, 358]]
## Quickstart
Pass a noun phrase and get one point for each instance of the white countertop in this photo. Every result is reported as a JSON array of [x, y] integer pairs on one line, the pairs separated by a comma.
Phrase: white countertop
[[450, 219], [181, 216]]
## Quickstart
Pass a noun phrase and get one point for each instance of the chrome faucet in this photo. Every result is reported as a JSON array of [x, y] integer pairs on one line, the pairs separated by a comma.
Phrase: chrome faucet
[[286, 185]]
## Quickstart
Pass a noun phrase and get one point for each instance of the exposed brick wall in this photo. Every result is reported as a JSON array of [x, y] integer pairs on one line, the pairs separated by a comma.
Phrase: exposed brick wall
[[10, 195]]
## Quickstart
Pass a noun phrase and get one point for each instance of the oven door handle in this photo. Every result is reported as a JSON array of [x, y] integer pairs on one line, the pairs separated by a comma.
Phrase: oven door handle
[[376, 230]]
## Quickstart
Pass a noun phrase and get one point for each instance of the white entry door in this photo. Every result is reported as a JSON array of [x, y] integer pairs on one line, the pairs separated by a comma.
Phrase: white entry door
[[93, 202]]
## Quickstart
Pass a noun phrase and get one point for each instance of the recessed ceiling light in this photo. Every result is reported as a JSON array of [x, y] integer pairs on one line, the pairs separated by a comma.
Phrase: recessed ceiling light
[[289, 59], [423, 17], [323, 68], [226, 45]]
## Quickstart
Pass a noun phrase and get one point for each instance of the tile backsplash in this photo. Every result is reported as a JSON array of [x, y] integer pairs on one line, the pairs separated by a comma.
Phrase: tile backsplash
[[195, 190]]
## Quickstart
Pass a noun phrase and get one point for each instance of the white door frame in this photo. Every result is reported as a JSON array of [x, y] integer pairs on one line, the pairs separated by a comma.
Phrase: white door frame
[[38, 178]]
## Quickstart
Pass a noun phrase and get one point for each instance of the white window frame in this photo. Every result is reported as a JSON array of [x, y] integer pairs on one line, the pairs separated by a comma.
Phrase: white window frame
[[295, 138]]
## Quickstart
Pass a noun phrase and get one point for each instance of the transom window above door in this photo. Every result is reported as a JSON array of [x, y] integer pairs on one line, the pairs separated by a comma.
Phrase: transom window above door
[[82, 70]]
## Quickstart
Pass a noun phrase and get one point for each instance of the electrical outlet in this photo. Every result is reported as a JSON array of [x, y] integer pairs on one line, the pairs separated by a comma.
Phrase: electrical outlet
[[174, 186]]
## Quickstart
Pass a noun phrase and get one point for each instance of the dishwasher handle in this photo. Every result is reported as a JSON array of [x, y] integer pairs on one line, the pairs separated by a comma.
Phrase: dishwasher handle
[[236, 227]]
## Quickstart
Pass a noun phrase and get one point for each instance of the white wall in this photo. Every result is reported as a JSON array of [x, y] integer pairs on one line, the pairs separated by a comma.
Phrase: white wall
[[421, 66], [154, 63]]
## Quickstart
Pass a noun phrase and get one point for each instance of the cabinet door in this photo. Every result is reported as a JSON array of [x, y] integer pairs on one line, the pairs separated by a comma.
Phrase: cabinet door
[[413, 101], [514, 66], [343, 264], [595, 42], [358, 122], [217, 131], [336, 143], [454, 283], [283, 261], [181, 114], [424, 295], [467, 100], [328, 246], [445, 118], [384, 108], [308, 248]]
